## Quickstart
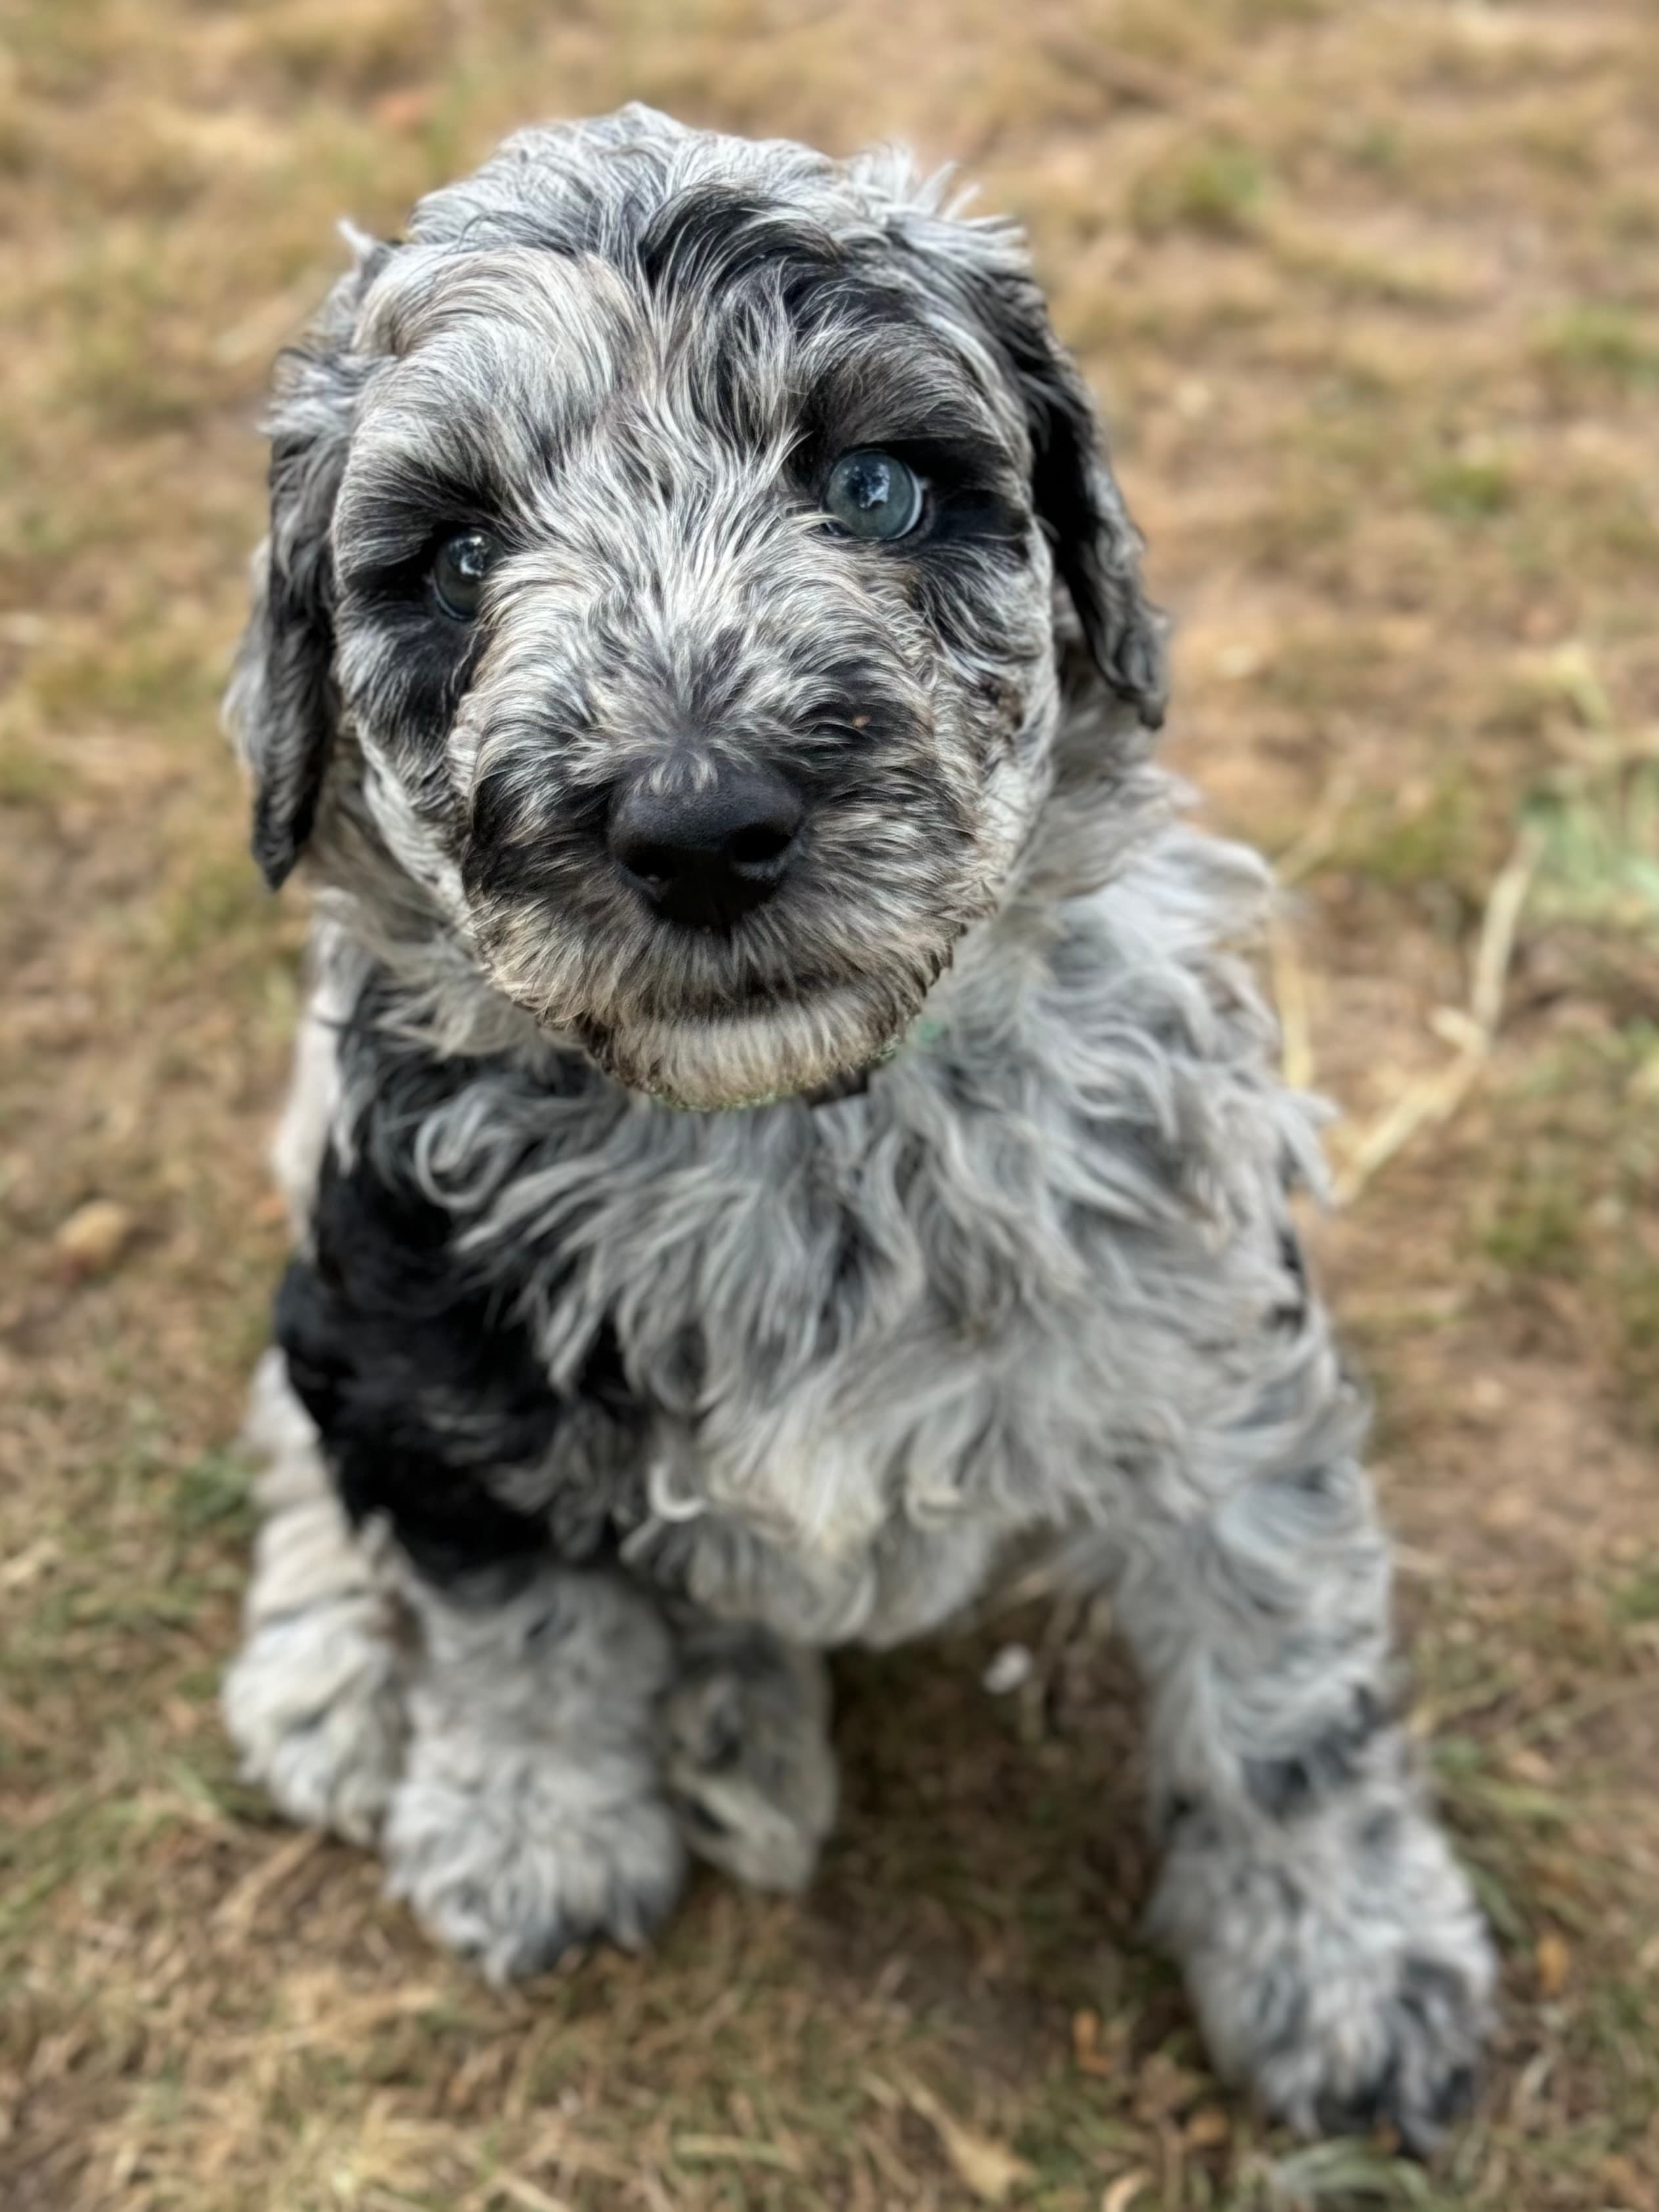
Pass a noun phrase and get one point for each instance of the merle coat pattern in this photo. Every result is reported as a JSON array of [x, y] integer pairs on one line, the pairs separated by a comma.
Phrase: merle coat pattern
[[702, 1262]]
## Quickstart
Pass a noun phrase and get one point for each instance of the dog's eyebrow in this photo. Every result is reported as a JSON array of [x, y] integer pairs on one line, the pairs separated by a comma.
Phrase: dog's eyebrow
[[896, 384], [395, 498], [867, 350], [452, 433], [394, 509]]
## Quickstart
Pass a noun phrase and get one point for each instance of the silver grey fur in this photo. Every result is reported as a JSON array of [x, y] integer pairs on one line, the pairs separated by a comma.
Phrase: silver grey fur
[[316, 1695], [1067, 1187]]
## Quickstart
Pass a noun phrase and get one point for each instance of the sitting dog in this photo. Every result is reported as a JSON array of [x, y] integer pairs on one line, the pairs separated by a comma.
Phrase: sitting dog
[[781, 1122]]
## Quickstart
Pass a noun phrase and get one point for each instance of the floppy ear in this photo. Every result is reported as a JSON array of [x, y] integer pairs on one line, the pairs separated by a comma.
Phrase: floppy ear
[[982, 267], [282, 705], [1097, 549]]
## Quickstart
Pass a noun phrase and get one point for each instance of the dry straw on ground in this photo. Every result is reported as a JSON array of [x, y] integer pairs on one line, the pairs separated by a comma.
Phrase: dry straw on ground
[[1372, 289]]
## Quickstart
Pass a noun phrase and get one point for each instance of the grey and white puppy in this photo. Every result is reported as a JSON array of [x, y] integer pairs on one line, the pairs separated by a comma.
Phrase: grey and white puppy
[[781, 1122]]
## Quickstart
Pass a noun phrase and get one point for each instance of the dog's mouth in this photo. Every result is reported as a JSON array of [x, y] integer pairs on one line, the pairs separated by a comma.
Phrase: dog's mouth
[[821, 1048], [761, 1015], [819, 1036]]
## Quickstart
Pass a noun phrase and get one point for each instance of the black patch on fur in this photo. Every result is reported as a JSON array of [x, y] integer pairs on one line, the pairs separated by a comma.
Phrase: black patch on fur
[[423, 660], [1286, 1787], [1291, 1316], [421, 1385], [544, 844], [1177, 1813]]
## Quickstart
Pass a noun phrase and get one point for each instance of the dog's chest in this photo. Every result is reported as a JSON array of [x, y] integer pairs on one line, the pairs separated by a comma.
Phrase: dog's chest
[[846, 1388], [791, 1336], [831, 1360]]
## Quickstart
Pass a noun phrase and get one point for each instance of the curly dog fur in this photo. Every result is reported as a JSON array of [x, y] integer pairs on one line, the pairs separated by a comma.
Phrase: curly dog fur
[[781, 1120]]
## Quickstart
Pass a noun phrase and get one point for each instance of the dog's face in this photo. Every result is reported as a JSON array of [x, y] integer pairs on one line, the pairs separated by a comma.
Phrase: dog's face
[[663, 566]]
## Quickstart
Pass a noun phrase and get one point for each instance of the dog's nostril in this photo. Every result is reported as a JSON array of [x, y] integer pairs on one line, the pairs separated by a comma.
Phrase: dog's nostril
[[652, 864], [759, 846], [706, 841]]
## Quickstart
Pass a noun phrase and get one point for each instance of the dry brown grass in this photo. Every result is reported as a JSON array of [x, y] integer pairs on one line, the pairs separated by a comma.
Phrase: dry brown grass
[[1373, 292]]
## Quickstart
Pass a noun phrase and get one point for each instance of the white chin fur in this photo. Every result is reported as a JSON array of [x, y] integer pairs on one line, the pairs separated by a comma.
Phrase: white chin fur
[[748, 1060]]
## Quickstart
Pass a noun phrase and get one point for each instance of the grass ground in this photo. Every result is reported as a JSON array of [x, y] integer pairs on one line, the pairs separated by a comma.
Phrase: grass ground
[[1372, 291]]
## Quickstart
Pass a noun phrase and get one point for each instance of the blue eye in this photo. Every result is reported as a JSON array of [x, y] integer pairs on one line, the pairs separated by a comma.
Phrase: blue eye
[[873, 494], [459, 568]]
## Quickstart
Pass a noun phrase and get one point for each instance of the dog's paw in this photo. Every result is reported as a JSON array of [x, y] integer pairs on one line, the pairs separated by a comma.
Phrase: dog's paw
[[511, 1853], [531, 1816], [314, 1703], [1349, 1979], [748, 1764]]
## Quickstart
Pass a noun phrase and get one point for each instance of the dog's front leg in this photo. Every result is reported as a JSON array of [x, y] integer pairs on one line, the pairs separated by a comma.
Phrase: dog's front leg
[[447, 1664], [314, 1698], [530, 1814], [1330, 1941]]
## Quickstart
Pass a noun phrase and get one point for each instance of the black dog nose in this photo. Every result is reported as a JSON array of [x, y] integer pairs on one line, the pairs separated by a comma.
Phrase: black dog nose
[[705, 840]]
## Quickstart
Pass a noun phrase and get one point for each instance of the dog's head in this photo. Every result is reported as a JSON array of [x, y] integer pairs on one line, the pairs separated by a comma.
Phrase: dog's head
[[667, 545]]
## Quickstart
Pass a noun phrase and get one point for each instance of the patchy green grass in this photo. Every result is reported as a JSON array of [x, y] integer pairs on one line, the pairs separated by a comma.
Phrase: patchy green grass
[[1599, 343], [1217, 187], [1600, 830], [1430, 835], [1469, 489]]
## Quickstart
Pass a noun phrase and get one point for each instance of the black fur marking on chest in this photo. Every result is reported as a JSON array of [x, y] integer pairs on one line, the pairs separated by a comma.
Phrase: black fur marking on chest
[[436, 1414]]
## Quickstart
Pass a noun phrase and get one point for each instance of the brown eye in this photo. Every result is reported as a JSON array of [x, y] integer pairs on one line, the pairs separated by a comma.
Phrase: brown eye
[[873, 494], [459, 568]]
